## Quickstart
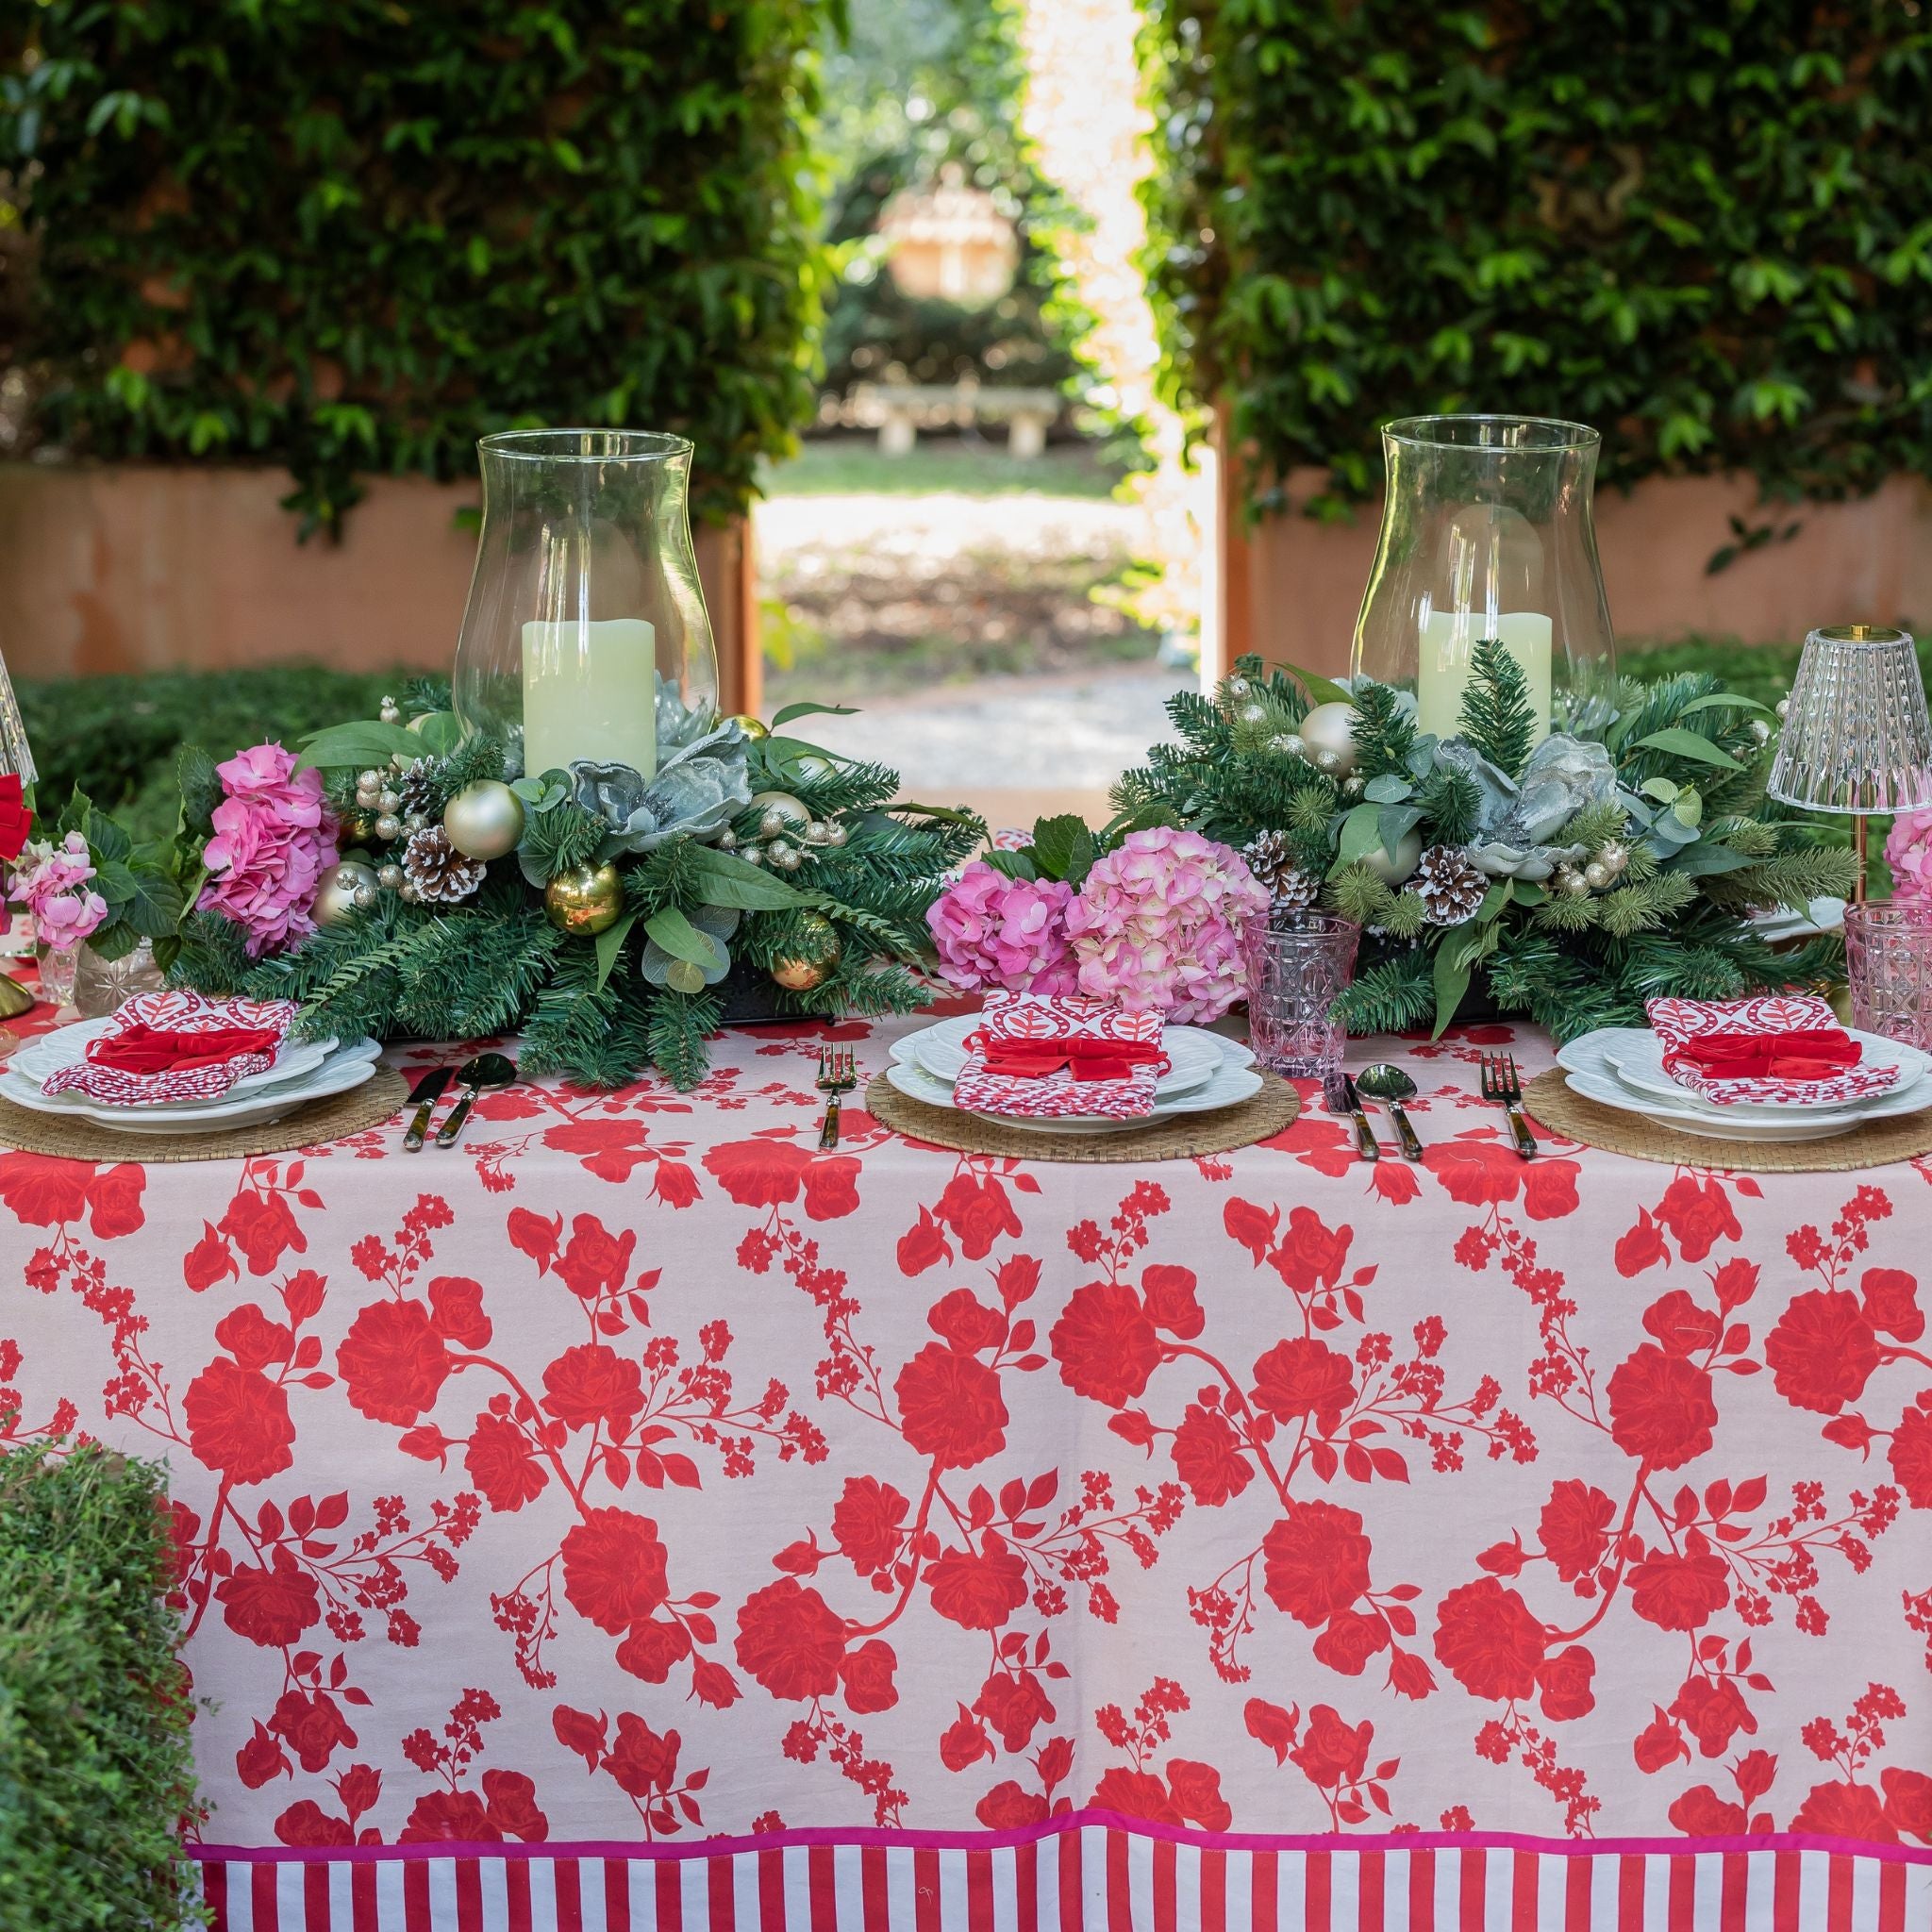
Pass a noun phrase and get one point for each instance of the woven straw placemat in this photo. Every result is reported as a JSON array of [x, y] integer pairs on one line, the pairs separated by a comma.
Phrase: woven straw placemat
[[332, 1119], [1178, 1138], [1548, 1097]]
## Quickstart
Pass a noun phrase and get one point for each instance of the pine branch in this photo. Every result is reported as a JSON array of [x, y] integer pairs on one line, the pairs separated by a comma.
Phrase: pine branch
[[561, 838], [1391, 997], [1496, 717], [1451, 806], [1384, 732], [680, 1027]]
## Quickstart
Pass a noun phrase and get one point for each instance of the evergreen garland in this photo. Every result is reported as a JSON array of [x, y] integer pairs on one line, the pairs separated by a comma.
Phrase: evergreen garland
[[1697, 848]]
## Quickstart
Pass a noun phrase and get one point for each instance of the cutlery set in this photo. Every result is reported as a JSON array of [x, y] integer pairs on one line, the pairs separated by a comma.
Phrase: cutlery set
[[474, 1075], [1500, 1087]]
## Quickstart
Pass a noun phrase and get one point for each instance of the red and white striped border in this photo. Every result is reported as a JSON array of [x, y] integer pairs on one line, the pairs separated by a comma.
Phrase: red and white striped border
[[1080, 1876]]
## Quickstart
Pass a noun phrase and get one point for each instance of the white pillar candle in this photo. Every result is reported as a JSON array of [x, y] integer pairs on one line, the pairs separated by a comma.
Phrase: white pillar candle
[[591, 692], [1449, 638]]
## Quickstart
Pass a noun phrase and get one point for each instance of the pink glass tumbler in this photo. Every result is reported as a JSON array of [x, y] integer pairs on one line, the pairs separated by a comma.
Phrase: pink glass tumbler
[[1298, 963], [1889, 961]]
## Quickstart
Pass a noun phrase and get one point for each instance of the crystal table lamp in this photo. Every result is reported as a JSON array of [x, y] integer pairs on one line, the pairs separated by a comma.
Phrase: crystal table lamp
[[16, 760], [1856, 739]]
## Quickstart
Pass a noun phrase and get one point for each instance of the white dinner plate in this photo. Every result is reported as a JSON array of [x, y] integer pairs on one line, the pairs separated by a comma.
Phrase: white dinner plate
[[1193, 1055], [160, 1111], [46, 1054], [343, 1070], [1234, 1081], [1815, 1125], [1633, 1057]]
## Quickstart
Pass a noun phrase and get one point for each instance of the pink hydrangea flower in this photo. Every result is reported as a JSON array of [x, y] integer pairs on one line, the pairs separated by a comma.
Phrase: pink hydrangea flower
[[1158, 925], [53, 889], [992, 930], [1908, 852], [273, 842]]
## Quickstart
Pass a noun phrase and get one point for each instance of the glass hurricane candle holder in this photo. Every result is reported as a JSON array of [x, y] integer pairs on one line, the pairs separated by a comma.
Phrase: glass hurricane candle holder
[[584, 636], [1486, 533]]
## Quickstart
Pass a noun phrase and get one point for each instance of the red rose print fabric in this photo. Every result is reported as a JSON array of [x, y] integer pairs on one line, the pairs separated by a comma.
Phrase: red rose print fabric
[[638, 1472]]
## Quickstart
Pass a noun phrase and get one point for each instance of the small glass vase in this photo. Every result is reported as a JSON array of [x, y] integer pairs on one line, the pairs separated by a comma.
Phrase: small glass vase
[[58, 969], [1297, 965], [1486, 533], [102, 986], [585, 638], [1889, 962]]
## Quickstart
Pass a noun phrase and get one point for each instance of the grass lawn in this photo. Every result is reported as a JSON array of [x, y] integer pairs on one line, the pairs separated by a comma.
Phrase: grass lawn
[[852, 467]]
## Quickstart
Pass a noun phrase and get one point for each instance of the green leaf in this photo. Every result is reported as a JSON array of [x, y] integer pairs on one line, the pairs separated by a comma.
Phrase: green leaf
[[1680, 743], [1499, 896], [683, 940], [201, 789], [437, 731], [1362, 832], [1389, 788], [1663, 790], [1063, 847], [1393, 821], [1707, 858], [105, 839], [114, 882], [1725, 699], [610, 943], [155, 907], [370, 741], [1324, 690], [727, 880], [1452, 959], [804, 708]]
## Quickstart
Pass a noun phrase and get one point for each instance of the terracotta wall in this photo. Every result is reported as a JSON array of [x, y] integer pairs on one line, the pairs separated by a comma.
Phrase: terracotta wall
[[132, 568], [1293, 586]]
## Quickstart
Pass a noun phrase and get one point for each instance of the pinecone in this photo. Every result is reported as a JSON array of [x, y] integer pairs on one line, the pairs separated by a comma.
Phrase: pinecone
[[424, 788], [1450, 885], [436, 871], [1270, 858]]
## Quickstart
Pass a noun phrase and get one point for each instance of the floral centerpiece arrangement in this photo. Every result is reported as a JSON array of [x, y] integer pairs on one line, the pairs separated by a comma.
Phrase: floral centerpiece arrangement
[[1152, 921], [394, 876], [1568, 876]]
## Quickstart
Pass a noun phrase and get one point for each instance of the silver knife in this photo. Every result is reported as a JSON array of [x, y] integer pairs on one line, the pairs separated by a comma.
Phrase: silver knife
[[423, 1097], [1337, 1090]]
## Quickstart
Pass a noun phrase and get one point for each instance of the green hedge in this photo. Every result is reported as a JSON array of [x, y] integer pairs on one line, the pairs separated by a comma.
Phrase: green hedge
[[95, 1776], [347, 236], [1706, 230]]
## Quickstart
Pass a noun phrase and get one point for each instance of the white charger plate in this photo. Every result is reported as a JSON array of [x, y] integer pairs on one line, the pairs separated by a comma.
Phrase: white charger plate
[[1812, 1124], [1234, 1081], [341, 1073], [119, 1113], [1633, 1057], [1193, 1055], [38, 1059]]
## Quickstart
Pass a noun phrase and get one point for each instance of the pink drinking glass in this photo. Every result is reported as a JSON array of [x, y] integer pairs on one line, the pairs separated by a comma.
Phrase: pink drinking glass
[[1298, 963], [1889, 961]]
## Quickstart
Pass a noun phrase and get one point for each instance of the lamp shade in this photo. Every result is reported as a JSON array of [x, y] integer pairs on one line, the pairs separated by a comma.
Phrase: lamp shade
[[16, 760], [1857, 738]]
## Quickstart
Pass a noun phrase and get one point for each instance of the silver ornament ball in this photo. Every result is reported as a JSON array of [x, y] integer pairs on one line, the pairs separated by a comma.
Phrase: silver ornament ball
[[1328, 731], [390, 877], [1393, 871], [1254, 714], [389, 828], [1238, 687], [1289, 744], [1596, 874], [364, 898], [485, 820], [392, 712], [1783, 708]]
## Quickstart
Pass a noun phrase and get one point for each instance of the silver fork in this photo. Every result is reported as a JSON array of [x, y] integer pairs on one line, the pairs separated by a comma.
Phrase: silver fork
[[838, 1073], [1500, 1086]]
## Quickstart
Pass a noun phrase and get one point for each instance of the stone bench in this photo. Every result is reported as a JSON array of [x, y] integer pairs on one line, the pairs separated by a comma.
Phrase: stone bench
[[900, 410]]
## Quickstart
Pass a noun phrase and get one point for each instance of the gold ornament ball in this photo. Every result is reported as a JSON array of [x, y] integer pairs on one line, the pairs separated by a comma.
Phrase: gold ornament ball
[[584, 901], [1596, 874], [1330, 728], [336, 902], [781, 804], [753, 728], [818, 954], [484, 820]]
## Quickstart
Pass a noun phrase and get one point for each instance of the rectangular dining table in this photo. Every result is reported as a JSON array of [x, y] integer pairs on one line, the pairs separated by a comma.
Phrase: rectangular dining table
[[638, 1517]]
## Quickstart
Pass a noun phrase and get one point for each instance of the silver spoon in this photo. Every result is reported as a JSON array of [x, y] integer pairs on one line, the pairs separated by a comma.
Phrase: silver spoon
[[485, 1069], [1391, 1086]]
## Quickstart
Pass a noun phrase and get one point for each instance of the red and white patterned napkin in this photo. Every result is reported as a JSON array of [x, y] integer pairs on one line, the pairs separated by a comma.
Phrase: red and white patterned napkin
[[164, 1046], [1785, 1048], [1053, 1056]]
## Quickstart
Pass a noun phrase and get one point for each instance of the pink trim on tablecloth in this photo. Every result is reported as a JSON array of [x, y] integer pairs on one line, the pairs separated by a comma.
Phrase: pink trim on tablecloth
[[1126, 1875]]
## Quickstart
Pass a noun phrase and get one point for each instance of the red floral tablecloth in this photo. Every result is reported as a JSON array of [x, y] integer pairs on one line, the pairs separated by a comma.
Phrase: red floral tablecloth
[[1260, 1538]]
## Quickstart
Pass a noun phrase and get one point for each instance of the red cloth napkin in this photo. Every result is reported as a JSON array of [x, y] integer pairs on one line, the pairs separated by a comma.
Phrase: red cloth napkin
[[1052, 1058], [1784, 1047], [165, 1046], [144, 1049]]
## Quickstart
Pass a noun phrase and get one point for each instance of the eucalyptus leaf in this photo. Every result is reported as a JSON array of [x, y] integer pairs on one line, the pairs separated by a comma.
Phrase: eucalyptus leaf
[[1680, 743], [1393, 822], [610, 943], [355, 746], [1664, 790], [1362, 832], [1389, 788], [672, 930]]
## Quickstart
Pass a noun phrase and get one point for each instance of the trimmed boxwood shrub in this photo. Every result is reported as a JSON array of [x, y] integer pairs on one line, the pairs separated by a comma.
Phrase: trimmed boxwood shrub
[[347, 236], [1705, 229], [95, 1777]]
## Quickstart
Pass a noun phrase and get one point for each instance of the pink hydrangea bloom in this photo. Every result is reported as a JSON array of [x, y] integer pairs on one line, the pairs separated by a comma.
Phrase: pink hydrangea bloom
[[1158, 925], [1908, 852], [992, 930], [273, 842], [53, 889]]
